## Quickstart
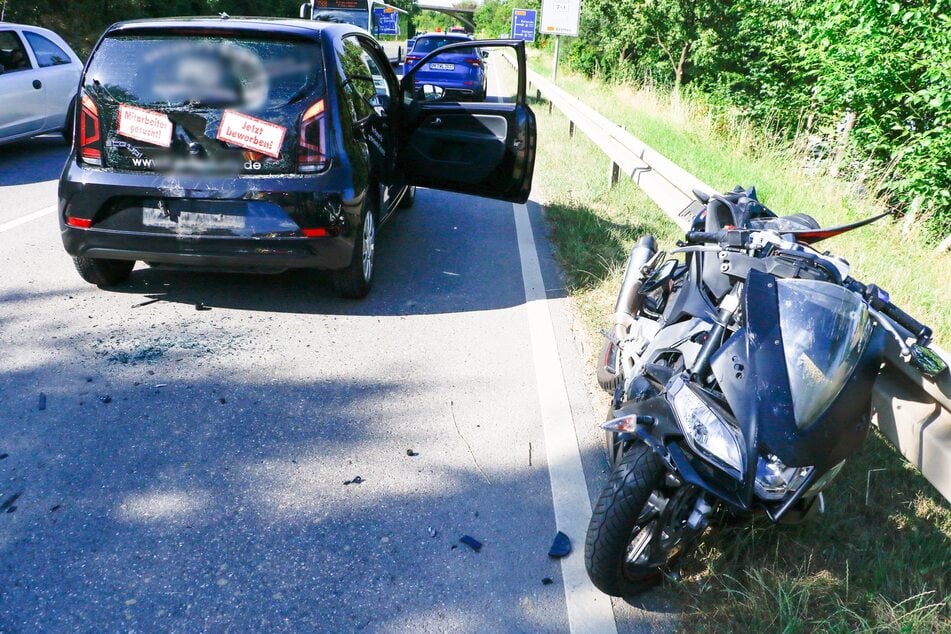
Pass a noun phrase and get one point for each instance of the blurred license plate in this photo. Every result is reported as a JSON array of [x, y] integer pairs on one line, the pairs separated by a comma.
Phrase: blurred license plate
[[437, 66], [189, 221]]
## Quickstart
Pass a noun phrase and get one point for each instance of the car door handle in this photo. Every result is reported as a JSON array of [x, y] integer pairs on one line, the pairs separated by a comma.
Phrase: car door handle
[[436, 123], [37, 84]]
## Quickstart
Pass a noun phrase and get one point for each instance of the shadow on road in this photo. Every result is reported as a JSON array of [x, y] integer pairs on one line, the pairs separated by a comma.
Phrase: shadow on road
[[32, 160], [442, 256]]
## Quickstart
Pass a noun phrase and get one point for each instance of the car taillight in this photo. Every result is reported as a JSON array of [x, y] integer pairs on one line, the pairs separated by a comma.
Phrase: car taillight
[[409, 59], [312, 145], [90, 142], [472, 61], [80, 223]]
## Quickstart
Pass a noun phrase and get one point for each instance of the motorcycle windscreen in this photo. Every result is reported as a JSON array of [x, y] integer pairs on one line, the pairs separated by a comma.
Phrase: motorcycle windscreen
[[825, 328]]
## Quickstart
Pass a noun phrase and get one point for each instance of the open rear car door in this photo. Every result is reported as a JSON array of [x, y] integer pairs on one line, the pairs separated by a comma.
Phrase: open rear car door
[[461, 132]]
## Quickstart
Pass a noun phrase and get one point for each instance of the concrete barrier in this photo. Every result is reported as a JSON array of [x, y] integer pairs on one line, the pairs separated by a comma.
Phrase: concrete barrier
[[911, 410]]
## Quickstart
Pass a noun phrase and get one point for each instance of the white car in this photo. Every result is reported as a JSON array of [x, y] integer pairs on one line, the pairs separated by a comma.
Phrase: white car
[[39, 77]]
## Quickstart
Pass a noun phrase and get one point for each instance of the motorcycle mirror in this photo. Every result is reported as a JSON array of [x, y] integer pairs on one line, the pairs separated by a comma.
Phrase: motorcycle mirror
[[659, 276], [701, 196], [927, 360]]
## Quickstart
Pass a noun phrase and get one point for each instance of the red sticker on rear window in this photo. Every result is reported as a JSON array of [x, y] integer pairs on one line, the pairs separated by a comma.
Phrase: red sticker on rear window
[[144, 125], [251, 133]]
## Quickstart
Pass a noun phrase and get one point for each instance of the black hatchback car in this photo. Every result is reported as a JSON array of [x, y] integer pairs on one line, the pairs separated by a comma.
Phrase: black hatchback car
[[258, 144]]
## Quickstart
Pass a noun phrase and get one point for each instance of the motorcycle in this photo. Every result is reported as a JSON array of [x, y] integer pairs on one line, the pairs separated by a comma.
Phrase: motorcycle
[[741, 380]]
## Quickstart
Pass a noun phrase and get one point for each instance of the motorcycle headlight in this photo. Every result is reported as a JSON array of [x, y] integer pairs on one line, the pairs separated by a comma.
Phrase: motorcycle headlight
[[705, 431], [774, 479]]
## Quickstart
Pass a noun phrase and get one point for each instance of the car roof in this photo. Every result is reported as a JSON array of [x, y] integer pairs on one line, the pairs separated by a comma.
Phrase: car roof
[[460, 36], [289, 26]]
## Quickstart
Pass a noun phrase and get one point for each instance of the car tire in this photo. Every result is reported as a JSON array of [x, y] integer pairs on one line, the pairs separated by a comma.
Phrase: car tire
[[408, 198], [355, 281], [102, 272]]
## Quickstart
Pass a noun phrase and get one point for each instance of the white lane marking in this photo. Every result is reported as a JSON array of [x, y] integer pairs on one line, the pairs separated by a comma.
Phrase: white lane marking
[[588, 609], [22, 220]]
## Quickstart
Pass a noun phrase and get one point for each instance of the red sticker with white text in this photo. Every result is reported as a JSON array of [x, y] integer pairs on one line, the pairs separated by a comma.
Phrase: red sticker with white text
[[251, 133], [144, 125]]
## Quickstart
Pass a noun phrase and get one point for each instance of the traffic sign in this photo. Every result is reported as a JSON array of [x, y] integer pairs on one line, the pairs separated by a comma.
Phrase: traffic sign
[[387, 21], [560, 17], [523, 24]]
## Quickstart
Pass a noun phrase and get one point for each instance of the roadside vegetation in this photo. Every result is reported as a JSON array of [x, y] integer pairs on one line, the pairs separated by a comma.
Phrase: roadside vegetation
[[877, 560], [865, 85]]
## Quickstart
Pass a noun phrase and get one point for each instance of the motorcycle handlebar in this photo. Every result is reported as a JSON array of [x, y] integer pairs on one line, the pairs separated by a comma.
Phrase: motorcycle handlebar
[[920, 331], [703, 237], [879, 299]]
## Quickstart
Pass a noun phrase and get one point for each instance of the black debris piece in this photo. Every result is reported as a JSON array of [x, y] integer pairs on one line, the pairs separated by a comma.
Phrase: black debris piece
[[146, 303], [55, 508], [356, 480], [411, 453], [4, 456], [105, 400], [471, 542], [433, 532], [41, 402], [7, 504], [88, 379], [200, 306], [547, 581], [222, 401], [560, 547], [453, 547]]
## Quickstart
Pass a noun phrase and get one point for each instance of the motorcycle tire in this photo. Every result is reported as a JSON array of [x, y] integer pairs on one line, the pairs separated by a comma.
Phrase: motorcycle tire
[[614, 519], [607, 379]]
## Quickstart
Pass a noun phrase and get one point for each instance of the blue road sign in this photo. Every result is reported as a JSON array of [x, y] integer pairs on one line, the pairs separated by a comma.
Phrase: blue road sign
[[387, 21], [523, 24]]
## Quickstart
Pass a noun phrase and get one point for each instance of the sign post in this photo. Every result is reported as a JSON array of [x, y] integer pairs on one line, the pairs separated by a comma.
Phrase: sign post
[[523, 24], [387, 21], [560, 17]]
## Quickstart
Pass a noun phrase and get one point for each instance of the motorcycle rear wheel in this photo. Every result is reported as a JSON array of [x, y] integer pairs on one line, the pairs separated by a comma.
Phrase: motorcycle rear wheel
[[607, 379], [637, 529]]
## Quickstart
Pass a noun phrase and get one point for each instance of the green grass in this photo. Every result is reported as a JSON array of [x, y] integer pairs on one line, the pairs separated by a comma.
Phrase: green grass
[[728, 153], [875, 567]]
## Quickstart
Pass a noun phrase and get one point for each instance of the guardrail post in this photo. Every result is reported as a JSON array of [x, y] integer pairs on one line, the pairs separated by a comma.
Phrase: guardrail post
[[549, 106], [571, 129], [614, 176]]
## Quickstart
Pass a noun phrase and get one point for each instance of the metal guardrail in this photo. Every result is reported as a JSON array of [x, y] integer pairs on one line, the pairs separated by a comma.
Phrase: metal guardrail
[[913, 411]]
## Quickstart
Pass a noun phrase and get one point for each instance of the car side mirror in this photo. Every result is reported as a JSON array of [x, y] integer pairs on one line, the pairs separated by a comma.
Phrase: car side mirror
[[430, 92], [484, 54]]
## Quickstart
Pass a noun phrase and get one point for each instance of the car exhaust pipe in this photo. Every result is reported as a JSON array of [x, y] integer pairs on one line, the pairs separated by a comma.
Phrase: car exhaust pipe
[[628, 298]]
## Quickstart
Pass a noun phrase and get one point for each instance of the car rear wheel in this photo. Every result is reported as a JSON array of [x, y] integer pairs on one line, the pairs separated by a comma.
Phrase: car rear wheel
[[408, 198], [354, 282], [103, 272]]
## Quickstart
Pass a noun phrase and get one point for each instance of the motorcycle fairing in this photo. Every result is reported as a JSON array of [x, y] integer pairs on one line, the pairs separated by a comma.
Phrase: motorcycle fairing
[[762, 401]]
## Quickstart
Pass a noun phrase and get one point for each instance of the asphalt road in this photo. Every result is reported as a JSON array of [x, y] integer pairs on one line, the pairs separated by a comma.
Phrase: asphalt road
[[186, 470]]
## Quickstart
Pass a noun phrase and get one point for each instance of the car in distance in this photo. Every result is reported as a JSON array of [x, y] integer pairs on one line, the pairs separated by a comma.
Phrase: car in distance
[[265, 144], [39, 74], [460, 73]]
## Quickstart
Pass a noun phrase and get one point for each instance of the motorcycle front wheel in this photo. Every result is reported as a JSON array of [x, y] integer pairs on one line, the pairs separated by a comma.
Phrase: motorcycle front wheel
[[639, 527]]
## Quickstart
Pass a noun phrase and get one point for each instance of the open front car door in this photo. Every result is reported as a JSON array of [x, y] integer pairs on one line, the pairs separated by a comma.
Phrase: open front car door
[[465, 125]]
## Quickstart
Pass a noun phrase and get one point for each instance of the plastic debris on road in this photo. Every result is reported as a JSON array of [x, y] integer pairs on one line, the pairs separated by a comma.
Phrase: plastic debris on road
[[560, 547], [471, 542]]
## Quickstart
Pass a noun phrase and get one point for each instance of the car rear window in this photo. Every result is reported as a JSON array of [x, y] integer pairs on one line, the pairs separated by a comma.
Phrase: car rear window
[[427, 44], [212, 71]]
